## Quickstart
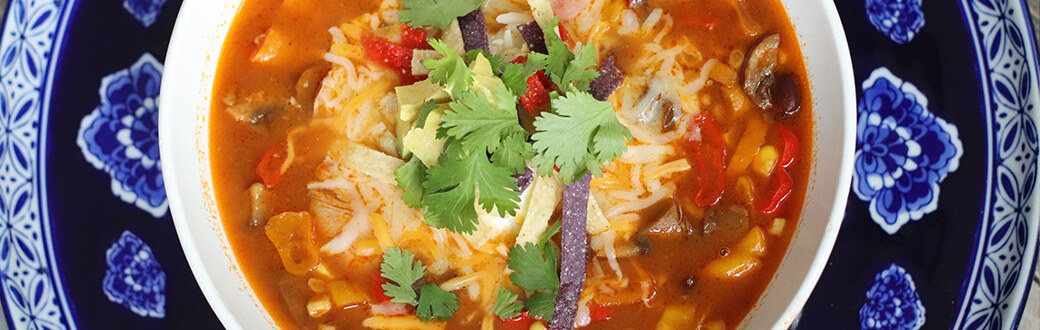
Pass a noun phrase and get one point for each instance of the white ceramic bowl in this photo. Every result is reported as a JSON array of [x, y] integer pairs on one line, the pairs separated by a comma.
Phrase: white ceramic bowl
[[184, 142]]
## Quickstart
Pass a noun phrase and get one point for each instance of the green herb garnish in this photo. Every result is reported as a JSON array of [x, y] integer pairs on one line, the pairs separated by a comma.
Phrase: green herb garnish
[[438, 13], [506, 304]]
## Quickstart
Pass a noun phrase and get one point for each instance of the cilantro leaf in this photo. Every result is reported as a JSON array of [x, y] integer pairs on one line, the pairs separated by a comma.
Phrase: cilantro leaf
[[553, 229], [397, 266], [449, 71], [434, 302], [514, 79], [424, 112], [452, 188], [535, 62], [563, 66], [506, 304], [559, 54], [514, 75], [541, 304], [535, 267], [410, 178], [579, 135], [485, 127], [579, 71], [438, 13]]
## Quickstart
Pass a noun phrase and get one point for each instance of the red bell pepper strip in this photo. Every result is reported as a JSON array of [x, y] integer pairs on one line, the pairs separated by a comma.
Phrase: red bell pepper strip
[[709, 152], [388, 54], [782, 186], [522, 321], [414, 38], [537, 94], [599, 313], [790, 142], [270, 166], [782, 183]]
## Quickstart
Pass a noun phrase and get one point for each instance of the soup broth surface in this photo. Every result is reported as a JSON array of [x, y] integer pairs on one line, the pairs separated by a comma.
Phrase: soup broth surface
[[286, 114]]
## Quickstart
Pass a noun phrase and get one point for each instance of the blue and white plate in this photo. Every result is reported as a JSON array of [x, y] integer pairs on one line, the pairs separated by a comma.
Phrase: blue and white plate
[[941, 228], [85, 236]]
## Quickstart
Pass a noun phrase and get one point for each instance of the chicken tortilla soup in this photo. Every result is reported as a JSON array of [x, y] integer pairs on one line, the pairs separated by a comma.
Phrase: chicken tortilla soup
[[513, 164]]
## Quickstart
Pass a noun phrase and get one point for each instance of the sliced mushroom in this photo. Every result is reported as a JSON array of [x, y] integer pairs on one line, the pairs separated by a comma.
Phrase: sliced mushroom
[[758, 70], [726, 221], [307, 87], [670, 223]]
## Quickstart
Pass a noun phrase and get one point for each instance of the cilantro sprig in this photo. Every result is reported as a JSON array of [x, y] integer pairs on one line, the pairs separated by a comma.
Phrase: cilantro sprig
[[506, 304], [578, 136], [451, 189], [397, 267], [438, 13], [432, 302]]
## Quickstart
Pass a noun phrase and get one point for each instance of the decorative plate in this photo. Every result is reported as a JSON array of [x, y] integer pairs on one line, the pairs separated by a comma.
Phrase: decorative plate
[[941, 228], [85, 236]]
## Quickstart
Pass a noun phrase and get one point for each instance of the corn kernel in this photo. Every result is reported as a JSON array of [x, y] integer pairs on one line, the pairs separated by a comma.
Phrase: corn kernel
[[318, 305], [765, 161]]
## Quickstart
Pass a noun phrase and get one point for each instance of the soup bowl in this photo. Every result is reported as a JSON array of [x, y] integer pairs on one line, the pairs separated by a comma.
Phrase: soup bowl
[[184, 124]]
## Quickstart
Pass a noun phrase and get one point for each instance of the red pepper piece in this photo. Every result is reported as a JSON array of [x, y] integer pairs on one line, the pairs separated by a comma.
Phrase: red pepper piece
[[782, 186], [377, 289], [790, 142], [709, 152], [414, 38], [782, 183], [537, 94], [390, 55], [270, 166], [566, 37], [599, 313], [522, 321]]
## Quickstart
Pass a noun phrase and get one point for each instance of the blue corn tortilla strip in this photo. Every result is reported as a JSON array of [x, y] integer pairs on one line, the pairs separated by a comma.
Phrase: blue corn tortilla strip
[[574, 246], [523, 180], [474, 31], [609, 79], [533, 35]]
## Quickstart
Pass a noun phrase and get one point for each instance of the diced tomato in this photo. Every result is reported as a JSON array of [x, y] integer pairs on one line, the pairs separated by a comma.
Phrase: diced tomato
[[709, 152], [522, 321], [270, 166], [390, 55], [377, 289], [599, 313], [414, 38]]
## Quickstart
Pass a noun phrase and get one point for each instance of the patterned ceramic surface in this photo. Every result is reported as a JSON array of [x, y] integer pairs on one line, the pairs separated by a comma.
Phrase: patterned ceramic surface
[[940, 231], [85, 240]]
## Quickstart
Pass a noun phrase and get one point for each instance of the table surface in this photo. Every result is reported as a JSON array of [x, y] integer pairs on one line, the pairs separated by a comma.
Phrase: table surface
[[1031, 317]]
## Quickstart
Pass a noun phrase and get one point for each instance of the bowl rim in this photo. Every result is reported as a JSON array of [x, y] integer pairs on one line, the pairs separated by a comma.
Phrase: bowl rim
[[183, 40]]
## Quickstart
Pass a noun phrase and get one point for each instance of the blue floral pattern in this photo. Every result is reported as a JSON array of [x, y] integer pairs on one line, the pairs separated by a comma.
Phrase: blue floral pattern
[[121, 136], [33, 294], [903, 151], [134, 278], [892, 302], [900, 20], [146, 11]]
